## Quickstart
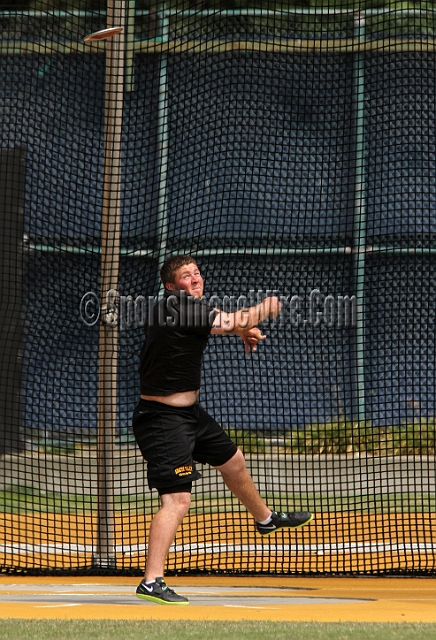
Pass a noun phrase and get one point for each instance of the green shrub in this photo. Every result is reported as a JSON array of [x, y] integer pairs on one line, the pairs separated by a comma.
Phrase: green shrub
[[343, 437]]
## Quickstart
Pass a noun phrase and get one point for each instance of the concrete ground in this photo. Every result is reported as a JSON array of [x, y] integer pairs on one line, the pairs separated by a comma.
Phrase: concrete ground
[[224, 598]]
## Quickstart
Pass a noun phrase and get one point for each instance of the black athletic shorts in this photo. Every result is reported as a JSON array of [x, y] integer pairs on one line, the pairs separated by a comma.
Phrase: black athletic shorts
[[171, 439]]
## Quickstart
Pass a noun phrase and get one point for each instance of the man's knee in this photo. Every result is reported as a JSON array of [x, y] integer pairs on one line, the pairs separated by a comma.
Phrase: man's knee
[[179, 502], [234, 466]]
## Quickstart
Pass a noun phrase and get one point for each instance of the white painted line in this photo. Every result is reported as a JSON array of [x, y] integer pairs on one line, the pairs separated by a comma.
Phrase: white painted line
[[57, 606], [241, 606], [318, 549]]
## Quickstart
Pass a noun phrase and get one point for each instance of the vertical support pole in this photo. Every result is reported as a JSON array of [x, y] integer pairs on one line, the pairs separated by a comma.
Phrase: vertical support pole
[[104, 555], [359, 231], [162, 137], [130, 45]]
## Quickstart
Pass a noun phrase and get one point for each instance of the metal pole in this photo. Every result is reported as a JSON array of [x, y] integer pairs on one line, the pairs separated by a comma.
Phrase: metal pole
[[104, 555], [130, 42], [162, 134], [360, 218]]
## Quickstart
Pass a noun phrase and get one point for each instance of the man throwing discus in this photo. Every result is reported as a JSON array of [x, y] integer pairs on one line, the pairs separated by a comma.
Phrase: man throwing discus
[[171, 428]]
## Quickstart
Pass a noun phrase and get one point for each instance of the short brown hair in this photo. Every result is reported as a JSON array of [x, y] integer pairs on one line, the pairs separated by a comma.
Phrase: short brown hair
[[170, 266]]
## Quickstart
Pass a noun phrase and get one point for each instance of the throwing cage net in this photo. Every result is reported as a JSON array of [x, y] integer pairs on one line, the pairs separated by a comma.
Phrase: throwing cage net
[[288, 150]]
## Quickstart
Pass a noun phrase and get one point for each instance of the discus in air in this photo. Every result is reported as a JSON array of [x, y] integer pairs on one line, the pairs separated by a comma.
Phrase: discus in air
[[104, 34]]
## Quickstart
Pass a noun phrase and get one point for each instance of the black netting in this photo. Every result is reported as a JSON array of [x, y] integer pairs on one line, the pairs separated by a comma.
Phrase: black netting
[[287, 150]]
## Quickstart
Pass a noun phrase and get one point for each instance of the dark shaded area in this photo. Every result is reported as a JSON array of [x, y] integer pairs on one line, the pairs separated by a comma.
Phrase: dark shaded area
[[12, 184]]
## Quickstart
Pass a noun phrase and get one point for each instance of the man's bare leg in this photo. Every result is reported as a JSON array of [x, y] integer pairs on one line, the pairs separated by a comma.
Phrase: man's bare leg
[[174, 507], [239, 481], [237, 478]]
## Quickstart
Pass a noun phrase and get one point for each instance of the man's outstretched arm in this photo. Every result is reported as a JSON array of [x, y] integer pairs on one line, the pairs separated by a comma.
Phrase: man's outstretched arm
[[244, 321]]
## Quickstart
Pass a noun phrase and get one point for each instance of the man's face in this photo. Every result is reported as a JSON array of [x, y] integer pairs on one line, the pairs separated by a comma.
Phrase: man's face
[[188, 278]]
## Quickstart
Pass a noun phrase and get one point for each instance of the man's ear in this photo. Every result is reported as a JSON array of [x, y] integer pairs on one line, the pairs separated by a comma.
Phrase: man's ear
[[170, 286]]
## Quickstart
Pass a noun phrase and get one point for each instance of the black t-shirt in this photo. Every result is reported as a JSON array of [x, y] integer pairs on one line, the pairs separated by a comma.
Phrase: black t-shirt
[[176, 337]]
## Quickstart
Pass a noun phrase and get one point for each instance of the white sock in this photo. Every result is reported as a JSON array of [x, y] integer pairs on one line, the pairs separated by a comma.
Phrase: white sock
[[267, 521]]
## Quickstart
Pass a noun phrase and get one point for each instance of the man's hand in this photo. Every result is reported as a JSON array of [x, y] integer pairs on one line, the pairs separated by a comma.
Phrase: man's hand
[[251, 337]]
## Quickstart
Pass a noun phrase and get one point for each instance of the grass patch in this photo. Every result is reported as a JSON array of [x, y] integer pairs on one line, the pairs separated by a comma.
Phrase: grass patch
[[149, 630], [27, 499]]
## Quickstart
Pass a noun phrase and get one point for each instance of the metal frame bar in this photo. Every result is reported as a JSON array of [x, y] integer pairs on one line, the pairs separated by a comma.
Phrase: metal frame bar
[[359, 228], [254, 251], [162, 144], [130, 40], [34, 13], [176, 46], [104, 555]]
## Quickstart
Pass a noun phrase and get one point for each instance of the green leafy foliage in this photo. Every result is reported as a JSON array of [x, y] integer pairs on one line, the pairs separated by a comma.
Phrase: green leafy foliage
[[341, 437]]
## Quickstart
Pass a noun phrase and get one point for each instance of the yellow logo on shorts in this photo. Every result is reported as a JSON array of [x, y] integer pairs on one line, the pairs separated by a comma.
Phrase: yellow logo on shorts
[[186, 470]]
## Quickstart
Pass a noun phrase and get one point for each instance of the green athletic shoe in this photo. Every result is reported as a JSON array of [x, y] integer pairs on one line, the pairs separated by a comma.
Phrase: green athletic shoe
[[159, 592], [284, 520]]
